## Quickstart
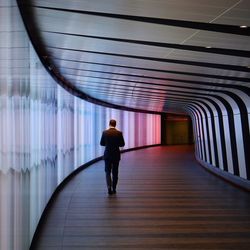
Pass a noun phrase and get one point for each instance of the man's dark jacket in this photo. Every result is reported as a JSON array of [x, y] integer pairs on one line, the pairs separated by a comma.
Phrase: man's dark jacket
[[112, 139]]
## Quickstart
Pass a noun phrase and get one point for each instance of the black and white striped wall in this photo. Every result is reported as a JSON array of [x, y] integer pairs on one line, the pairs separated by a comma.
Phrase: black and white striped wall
[[221, 129]]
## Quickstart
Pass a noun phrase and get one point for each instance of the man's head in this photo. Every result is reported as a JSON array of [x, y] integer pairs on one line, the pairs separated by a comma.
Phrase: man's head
[[112, 123]]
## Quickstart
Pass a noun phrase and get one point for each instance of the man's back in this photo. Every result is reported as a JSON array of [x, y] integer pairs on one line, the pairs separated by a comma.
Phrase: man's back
[[112, 139]]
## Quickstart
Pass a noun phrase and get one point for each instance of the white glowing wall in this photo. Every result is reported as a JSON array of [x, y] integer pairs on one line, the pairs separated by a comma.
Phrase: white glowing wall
[[45, 132]]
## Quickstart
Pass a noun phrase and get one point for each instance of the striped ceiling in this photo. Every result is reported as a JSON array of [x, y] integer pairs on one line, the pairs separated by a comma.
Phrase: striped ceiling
[[151, 55]]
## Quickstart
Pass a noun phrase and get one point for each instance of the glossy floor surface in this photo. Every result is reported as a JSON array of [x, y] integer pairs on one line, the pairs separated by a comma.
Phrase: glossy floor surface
[[164, 200]]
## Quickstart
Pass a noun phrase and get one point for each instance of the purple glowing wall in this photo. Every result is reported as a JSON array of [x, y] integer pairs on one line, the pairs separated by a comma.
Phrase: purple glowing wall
[[45, 133]]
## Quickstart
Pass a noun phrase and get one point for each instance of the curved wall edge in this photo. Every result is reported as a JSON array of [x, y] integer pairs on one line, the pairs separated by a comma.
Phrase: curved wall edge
[[232, 179], [64, 183], [65, 84]]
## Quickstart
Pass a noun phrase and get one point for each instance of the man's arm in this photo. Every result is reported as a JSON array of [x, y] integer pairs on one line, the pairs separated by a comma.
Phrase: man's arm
[[102, 142], [122, 142]]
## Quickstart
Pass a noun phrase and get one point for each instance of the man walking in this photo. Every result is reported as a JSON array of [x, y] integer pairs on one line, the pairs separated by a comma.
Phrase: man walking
[[112, 139]]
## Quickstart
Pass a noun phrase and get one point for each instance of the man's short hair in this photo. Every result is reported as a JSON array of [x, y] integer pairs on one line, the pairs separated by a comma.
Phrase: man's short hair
[[112, 123]]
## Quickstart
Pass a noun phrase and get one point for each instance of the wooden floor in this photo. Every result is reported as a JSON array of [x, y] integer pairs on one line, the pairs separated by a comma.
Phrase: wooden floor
[[164, 200]]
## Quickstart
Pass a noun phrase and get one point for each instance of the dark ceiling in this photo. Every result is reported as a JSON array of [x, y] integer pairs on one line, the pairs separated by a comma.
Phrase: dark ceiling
[[151, 55]]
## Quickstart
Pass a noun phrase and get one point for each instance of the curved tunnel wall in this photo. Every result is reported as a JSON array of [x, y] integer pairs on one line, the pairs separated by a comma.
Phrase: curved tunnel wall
[[46, 133], [221, 129]]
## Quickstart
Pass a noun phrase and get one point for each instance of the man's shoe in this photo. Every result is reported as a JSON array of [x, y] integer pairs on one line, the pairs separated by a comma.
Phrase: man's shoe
[[110, 192], [114, 191]]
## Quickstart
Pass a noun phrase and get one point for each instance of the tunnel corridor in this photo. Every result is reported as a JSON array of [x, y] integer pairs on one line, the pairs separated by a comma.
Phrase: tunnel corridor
[[170, 73]]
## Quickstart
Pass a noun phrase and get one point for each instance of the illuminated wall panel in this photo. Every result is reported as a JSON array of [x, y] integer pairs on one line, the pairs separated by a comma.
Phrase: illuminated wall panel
[[45, 133]]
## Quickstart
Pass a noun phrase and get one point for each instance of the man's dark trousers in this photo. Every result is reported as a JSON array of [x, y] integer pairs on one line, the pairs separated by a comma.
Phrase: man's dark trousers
[[111, 167]]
